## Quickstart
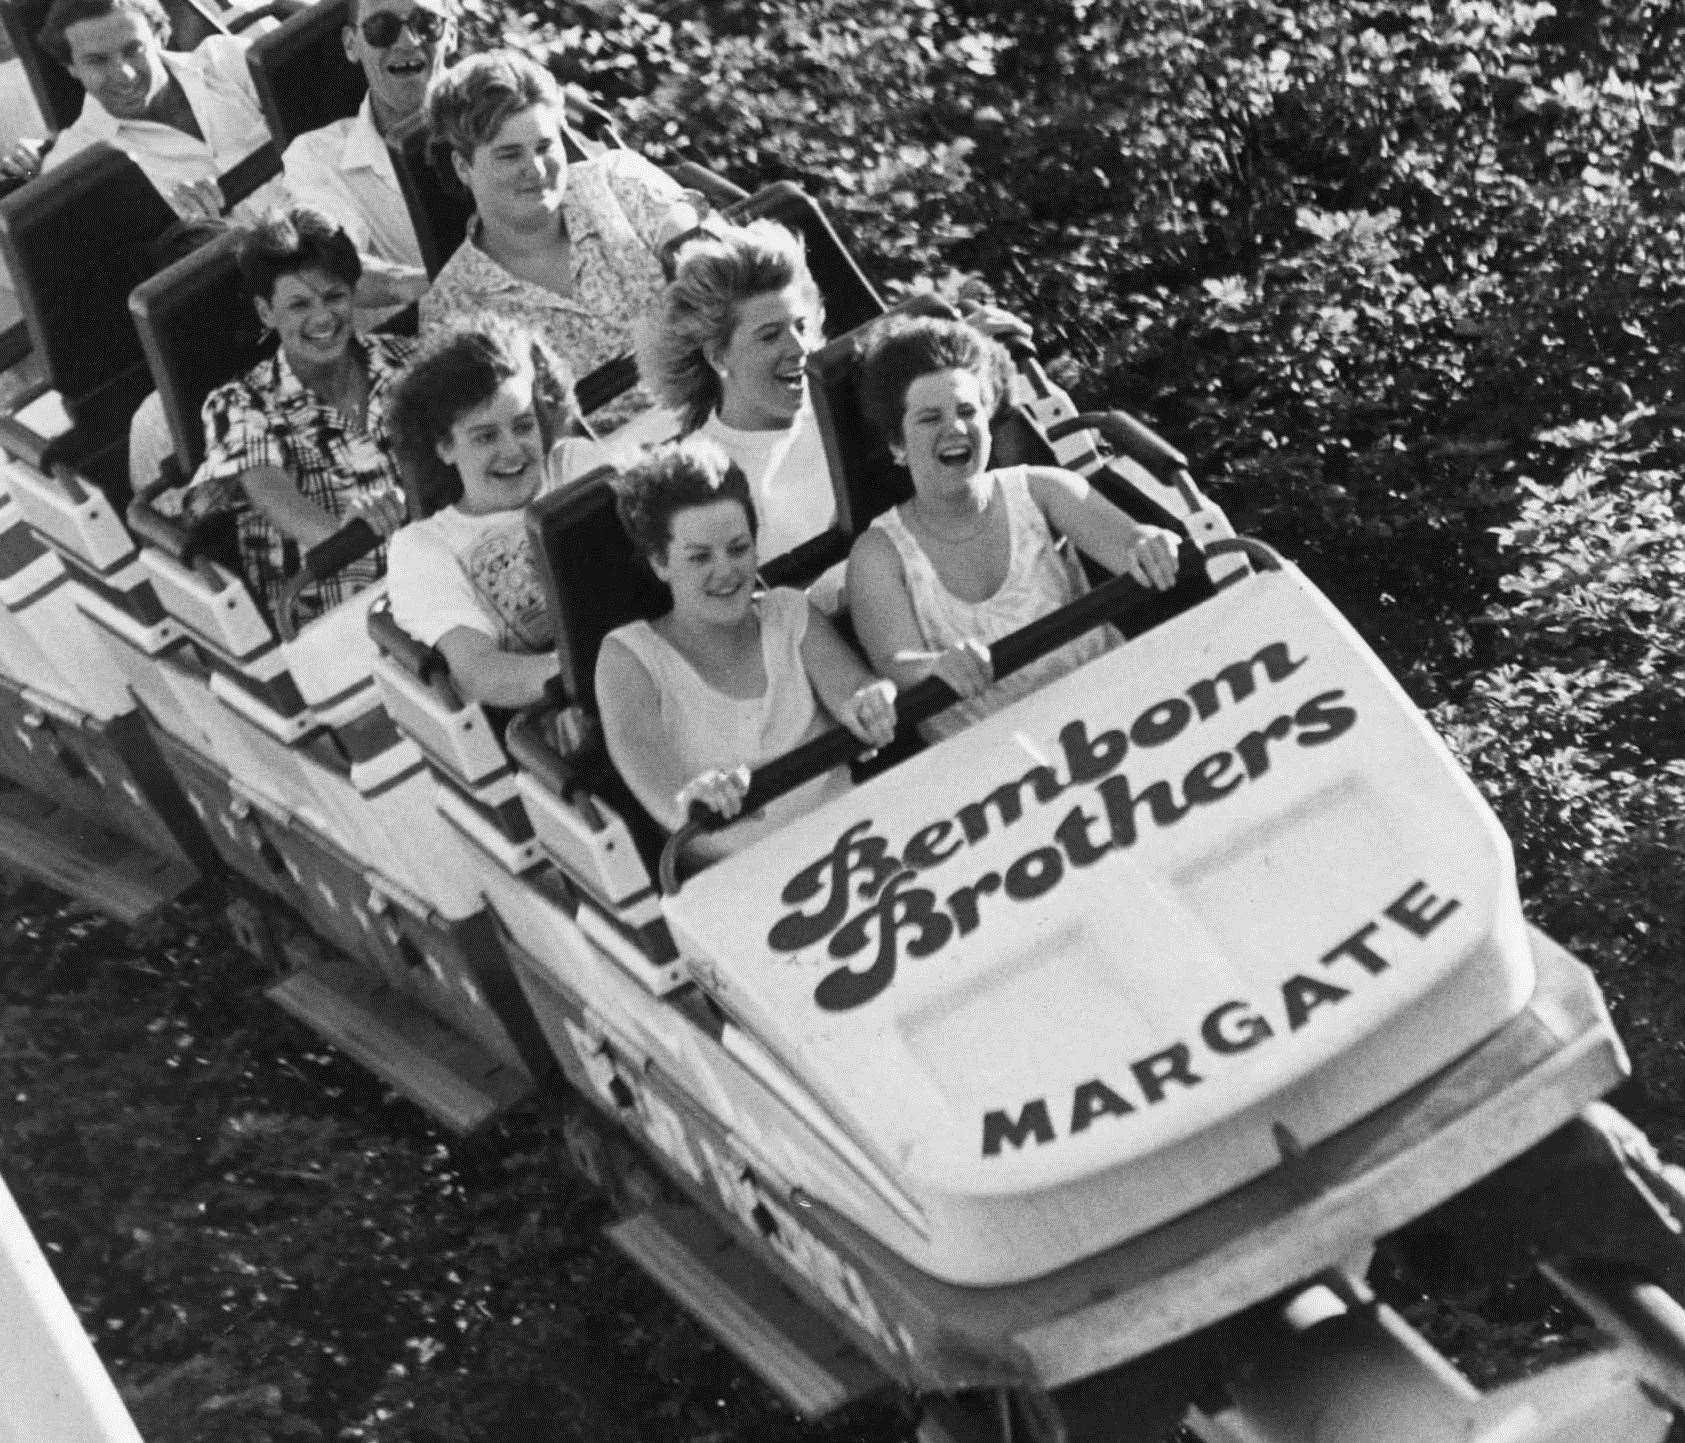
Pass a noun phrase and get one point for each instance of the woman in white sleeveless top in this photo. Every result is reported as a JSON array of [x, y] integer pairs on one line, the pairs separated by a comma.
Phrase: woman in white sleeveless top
[[972, 557], [726, 679]]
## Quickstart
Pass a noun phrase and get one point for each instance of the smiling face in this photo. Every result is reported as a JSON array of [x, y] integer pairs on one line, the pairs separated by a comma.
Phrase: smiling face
[[498, 450], [399, 70], [763, 367], [118, 59], [310, 311], [710, 563], [519, 176], [945, 430]]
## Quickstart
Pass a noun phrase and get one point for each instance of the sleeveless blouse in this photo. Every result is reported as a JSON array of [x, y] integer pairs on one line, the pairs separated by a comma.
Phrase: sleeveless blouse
[[1039, 579], [708, 729]]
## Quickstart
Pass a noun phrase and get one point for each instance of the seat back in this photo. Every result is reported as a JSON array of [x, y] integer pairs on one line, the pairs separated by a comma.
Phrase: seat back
[[593, 578], [198, 330], [865, 476], [850, 299], [439, 205], [58, 93], [77, 240], [303, 76]]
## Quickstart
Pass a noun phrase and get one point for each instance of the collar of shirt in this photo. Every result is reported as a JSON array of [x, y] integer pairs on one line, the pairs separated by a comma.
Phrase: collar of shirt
[[581, 210], [103, 125], [364, 148], [291, 394]]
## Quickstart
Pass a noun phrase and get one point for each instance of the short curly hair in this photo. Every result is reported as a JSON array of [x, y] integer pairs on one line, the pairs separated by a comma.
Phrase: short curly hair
[[698, 312], [900, 349], [283, 242], [62, 14], [676, 477], [467, 104], [455, 371]]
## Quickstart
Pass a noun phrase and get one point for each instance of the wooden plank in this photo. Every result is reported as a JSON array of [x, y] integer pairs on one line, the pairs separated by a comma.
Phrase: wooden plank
[[442, 1072], [71, 854], [794, 1350]]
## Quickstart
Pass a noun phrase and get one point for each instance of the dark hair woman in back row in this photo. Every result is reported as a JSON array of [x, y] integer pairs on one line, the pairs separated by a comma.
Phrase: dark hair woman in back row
[[298, 445]]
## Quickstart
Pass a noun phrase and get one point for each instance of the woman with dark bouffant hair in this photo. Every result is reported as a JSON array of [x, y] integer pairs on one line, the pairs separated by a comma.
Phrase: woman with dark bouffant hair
[[973, 556], [480, 423], [298, 445], [727, 678]]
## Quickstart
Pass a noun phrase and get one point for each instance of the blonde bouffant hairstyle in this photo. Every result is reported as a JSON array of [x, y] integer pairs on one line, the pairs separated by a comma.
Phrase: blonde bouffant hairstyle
[[698, 312]]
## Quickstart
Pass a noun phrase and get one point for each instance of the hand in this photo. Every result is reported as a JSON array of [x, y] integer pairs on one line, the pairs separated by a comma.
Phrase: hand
[[870, 713], [23, 160], [966, 667], [719, 790], [196, 199], [1152, 559], [383, 511], [682, 217], [998, 324]]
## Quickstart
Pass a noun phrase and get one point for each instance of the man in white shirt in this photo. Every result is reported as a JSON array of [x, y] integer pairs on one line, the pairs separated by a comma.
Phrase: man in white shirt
[[345, 170], [184, 118]]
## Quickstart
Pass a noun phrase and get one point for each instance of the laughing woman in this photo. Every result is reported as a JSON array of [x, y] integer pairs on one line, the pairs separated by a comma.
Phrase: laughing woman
[[726, 679], [727, 347], [298, 445], [973, 556], [480, 423]]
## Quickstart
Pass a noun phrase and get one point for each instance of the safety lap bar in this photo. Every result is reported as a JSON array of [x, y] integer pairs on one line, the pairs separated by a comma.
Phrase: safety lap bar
[[1106, 602], [351, 542]]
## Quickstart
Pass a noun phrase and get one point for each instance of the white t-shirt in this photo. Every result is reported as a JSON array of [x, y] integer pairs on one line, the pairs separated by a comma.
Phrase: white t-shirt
[[345, 170], [790, 481], [454, 569], [788, 477]]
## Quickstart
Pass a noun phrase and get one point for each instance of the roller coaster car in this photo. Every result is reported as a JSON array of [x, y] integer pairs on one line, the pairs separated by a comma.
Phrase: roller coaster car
[[1073, 1068]]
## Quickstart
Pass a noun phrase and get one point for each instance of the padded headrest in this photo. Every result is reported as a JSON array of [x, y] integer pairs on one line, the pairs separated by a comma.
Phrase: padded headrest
[[850, 299], [593, 578], [58, 94], [76, 241], [303, 77], [198, 330], [439, 205]]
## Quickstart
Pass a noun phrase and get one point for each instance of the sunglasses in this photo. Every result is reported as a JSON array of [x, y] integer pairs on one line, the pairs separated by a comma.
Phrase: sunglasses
[[382, 30]]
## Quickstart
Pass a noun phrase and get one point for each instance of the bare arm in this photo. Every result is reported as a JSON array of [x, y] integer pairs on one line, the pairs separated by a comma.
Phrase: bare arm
[[888, 627], [272, 492], [863, 703], [386, 283], [484, 672], [629, 703], [1117, 541]]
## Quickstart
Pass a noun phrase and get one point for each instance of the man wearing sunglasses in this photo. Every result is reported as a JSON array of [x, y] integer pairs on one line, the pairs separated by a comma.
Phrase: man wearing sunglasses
[[345, 170]]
